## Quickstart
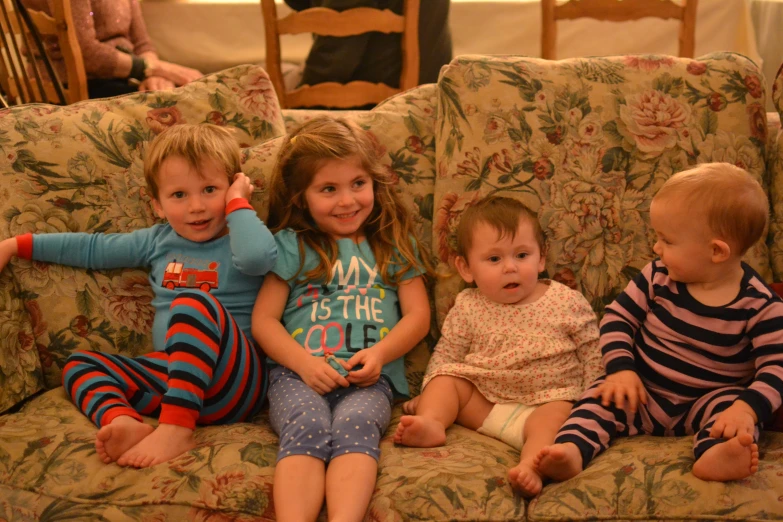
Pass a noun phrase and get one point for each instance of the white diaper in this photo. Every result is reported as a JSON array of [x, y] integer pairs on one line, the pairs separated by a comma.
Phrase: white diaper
[[506, 422]]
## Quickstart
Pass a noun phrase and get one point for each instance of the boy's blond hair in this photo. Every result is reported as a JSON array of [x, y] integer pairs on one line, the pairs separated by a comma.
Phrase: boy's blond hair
[[194, 143], [389, 229], [733, 203], [501, 213]]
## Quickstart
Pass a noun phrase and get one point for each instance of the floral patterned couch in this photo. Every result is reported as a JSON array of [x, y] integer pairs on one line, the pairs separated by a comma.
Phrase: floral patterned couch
[[586, 142]]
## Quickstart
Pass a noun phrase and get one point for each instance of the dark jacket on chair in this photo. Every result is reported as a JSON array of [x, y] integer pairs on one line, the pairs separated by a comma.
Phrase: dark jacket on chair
[[375, 57]]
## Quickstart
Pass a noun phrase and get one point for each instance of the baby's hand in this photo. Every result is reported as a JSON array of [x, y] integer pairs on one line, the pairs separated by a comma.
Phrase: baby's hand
[[321, 377], [619, 386], [737, 419], [241, 187], [8, 249], [369, 374]]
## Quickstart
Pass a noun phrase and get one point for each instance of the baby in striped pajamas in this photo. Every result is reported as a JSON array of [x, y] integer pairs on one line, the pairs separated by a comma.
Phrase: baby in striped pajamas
[[694, 344]]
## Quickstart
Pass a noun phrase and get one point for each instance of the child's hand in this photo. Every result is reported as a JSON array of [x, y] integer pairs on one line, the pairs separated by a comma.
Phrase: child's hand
[[735, 420], [619, 386], [241, 187], [321, 377], [8, 249], [371, 371]]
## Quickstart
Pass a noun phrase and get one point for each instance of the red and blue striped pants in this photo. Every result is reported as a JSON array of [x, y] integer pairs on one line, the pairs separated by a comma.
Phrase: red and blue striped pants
[[209, 372]]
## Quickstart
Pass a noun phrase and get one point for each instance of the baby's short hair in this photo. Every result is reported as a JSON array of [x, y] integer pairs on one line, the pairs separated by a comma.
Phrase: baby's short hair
[[731, 200], [195, 143], [501, 213]]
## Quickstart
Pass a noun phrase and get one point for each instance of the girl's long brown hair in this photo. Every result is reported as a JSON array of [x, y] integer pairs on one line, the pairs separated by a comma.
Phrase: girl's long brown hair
[[389, 227]]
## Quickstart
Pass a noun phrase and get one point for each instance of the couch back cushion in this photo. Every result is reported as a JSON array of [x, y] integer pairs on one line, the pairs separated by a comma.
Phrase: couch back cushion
[[79, 169], [587, 143], [775, 168]]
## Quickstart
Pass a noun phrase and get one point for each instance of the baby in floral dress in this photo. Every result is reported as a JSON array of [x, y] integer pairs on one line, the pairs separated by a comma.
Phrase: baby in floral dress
[[514, 352]]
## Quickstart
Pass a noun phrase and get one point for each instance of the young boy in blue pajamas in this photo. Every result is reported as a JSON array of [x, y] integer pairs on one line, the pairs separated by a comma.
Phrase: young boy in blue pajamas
[[206, 267]]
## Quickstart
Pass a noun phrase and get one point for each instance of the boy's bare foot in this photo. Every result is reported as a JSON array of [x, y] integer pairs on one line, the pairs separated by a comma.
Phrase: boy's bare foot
[[117, 437], [559, 461], [409, 407], [163, 444], [419, 432], [734, 459], [525, 479]]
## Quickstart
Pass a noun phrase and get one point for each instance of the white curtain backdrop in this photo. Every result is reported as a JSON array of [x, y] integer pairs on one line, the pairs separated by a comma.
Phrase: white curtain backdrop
[[215, 34]]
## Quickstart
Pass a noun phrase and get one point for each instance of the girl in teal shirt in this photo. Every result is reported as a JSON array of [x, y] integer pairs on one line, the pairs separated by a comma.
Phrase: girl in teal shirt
[[348, 282]]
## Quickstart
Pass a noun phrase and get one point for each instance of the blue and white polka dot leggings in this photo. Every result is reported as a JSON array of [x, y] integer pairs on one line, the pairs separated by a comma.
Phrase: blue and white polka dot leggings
[[346, 420]]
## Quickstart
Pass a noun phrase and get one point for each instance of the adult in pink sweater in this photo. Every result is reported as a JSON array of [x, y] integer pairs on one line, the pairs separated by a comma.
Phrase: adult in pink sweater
[[119, 56]]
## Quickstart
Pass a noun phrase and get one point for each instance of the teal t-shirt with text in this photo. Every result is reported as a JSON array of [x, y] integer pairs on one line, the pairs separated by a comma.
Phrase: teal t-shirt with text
[[351, 311]]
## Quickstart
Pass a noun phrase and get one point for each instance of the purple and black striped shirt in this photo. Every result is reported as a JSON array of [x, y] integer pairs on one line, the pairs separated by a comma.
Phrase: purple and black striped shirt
[[683, 349]]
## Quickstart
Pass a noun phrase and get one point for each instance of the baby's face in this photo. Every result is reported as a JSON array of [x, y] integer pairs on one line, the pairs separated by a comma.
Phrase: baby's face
[[683, 242], [505, 270]]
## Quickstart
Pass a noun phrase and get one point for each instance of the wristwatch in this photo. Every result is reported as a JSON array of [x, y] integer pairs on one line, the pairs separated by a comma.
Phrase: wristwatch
[[140, 68]]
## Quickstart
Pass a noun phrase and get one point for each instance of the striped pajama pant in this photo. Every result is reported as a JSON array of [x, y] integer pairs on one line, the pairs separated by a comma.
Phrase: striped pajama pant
[[592, 426], [209, 372]]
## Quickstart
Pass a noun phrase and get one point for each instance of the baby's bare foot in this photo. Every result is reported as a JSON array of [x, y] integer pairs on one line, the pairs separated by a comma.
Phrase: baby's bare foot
[[734, 459], [419, 432], [409, 407], [163, 444], [559, 461], [117, 437], [525, 479]]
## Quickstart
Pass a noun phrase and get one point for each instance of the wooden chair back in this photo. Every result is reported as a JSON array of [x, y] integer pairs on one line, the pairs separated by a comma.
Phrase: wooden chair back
[[26, 71], [328, 22], [618, 11]]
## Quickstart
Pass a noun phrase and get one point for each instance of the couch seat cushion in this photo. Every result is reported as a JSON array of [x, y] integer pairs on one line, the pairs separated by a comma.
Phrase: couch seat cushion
[[49, 470], [649, 478]]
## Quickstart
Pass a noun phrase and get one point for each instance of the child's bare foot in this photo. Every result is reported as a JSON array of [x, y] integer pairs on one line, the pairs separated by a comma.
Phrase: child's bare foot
[[734, 459], [559, 461], [409, 407], [419, 432], [163, 444], [117, 437], [525, 479]]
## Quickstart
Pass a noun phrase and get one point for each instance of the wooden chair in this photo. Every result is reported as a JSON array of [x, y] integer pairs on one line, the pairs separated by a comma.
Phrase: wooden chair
[[26, 71], [618, 11], [327, 22]]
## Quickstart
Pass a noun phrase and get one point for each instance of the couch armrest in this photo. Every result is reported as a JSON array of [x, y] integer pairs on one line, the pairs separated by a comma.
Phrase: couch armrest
[[20, 366]]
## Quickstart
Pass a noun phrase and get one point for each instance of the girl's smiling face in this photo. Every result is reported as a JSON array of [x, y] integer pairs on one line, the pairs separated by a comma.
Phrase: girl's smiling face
[[340, 198]]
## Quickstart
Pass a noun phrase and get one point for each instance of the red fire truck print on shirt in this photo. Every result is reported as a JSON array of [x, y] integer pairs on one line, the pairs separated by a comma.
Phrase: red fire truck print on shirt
[[177, 276]]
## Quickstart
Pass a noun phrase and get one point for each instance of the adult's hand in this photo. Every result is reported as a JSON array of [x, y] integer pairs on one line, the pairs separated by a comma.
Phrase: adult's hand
[[156, 83], [179, 74]]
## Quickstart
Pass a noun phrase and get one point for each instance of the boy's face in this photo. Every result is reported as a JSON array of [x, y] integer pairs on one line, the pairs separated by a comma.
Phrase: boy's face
[[684, 241], [505, 270], [192, 200]]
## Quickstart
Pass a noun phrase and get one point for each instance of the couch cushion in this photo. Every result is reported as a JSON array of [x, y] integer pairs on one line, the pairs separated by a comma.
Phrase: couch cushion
[[775, 167], [20, 367], [79, 168], [49, 470], [649, 478], [587, 143]]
